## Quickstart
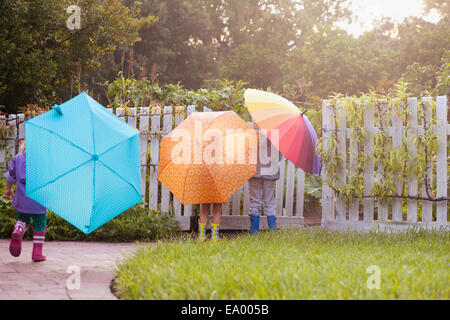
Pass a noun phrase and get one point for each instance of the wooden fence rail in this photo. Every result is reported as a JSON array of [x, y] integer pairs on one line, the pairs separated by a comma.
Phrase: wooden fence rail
[[153, 126], [396, 213]]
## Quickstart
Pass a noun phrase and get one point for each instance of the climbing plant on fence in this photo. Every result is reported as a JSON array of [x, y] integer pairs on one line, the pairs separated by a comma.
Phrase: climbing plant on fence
[[396, 137]]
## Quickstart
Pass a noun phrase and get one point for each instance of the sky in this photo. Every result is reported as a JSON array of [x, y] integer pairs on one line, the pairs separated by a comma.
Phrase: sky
[[369, 10]]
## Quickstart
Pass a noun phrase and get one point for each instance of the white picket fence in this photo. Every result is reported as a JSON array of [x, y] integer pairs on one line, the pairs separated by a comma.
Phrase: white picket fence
[[371, 214], [154, 126]]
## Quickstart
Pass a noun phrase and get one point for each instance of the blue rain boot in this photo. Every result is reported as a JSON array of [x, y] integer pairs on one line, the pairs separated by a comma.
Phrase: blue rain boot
[[254, 225], [272, 223]]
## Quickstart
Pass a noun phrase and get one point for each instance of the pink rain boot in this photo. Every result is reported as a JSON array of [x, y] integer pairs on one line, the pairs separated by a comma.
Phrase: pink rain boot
[[15, 246], [38, 245]]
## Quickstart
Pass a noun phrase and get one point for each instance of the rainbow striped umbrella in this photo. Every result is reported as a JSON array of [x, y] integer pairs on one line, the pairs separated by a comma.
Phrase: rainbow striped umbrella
[[287, 128]]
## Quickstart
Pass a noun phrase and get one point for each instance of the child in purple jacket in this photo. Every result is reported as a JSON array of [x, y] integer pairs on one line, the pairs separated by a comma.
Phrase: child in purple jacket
[[28, 211]]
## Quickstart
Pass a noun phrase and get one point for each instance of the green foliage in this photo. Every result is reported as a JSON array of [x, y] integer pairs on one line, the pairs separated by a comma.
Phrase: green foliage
[[443, 77], [422, 78], [7, 216], [266, 44], [182, 42], [396, 165], [441, 6], [220, 96], [135, 224], [305, 264], [313, 192], [39, 54]]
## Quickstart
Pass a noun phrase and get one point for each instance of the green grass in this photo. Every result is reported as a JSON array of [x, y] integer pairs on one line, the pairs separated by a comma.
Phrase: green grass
[[306, 264]]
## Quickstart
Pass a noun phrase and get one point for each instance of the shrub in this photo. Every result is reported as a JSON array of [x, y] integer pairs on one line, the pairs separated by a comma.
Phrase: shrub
[[135, 224]]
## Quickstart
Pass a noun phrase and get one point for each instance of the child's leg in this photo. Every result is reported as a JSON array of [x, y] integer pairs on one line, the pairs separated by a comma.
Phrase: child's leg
[[39, 222], [39, 226], [20, 227], [24, 217], [269, 203], [255, 195], [204, 213], [217, 214], [202, 220]]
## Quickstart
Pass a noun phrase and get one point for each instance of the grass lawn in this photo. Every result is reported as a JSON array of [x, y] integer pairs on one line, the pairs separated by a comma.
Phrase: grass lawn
[[300, 264]]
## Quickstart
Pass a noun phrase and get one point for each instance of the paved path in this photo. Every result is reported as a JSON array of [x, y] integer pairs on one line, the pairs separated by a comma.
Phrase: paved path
[[54, 279]]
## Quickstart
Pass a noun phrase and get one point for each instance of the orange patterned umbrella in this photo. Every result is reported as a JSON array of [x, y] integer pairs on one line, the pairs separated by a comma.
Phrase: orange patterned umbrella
[[208, 157]]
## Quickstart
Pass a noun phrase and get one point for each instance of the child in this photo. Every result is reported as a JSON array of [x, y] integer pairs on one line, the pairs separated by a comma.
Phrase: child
[[217, 213], [262, 185], [28, 211]]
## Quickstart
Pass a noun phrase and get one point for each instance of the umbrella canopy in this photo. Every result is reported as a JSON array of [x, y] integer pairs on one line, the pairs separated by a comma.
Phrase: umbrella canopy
[[82, 163], [289, 130], [216, 155]]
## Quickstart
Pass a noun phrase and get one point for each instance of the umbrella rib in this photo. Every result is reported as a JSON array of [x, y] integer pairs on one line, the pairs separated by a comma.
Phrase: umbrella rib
[[60, 176], [93, 175], [61, 137], [113, 171], [114, 146], [215, 184], [185, 179], [93, 197]]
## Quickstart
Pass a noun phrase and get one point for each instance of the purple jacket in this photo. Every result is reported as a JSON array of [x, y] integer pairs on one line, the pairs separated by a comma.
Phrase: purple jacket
[[16, 174]]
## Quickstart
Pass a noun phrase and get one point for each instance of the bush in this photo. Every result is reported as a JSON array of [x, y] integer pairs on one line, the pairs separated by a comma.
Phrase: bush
[[135, 224]]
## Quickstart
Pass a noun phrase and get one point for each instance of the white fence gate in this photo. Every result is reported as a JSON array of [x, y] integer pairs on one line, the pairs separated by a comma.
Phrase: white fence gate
[[370, 213], [153, 126]]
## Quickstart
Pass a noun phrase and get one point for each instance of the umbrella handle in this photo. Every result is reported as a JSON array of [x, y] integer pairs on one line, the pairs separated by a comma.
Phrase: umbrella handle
[[57, 108]]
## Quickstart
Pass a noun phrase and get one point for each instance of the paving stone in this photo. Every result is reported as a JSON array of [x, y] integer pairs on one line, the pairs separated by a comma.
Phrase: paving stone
[[22, 279]]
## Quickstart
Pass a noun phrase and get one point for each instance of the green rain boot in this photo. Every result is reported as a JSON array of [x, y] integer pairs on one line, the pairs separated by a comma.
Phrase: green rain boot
[[202, 231]]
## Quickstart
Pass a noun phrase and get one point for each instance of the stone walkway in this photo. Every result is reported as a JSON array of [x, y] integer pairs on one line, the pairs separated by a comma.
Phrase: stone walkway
[[73, 270]]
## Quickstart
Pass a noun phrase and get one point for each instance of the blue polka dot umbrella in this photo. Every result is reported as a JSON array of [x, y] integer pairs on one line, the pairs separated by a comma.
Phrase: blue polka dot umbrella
[[82, 163]]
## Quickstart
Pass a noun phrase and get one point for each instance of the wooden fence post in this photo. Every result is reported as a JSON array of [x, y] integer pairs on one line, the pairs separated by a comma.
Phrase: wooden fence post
[[154, 158], [383, 209], [167, 127], [279, 192], [327, 193], [144, 135], [397, 133], [290, 183], [427, 206], [441, 160], [353, 211], [179, 118], [341, 206], [12, 138], [300, 196], [412, 152], [188, 209], [368, 171]]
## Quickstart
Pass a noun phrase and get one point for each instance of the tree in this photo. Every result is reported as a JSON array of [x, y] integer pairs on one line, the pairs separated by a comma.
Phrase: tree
[[442, 6], [261, 34], [421, 79], [422, 42], [39, 54], [183, 42]]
